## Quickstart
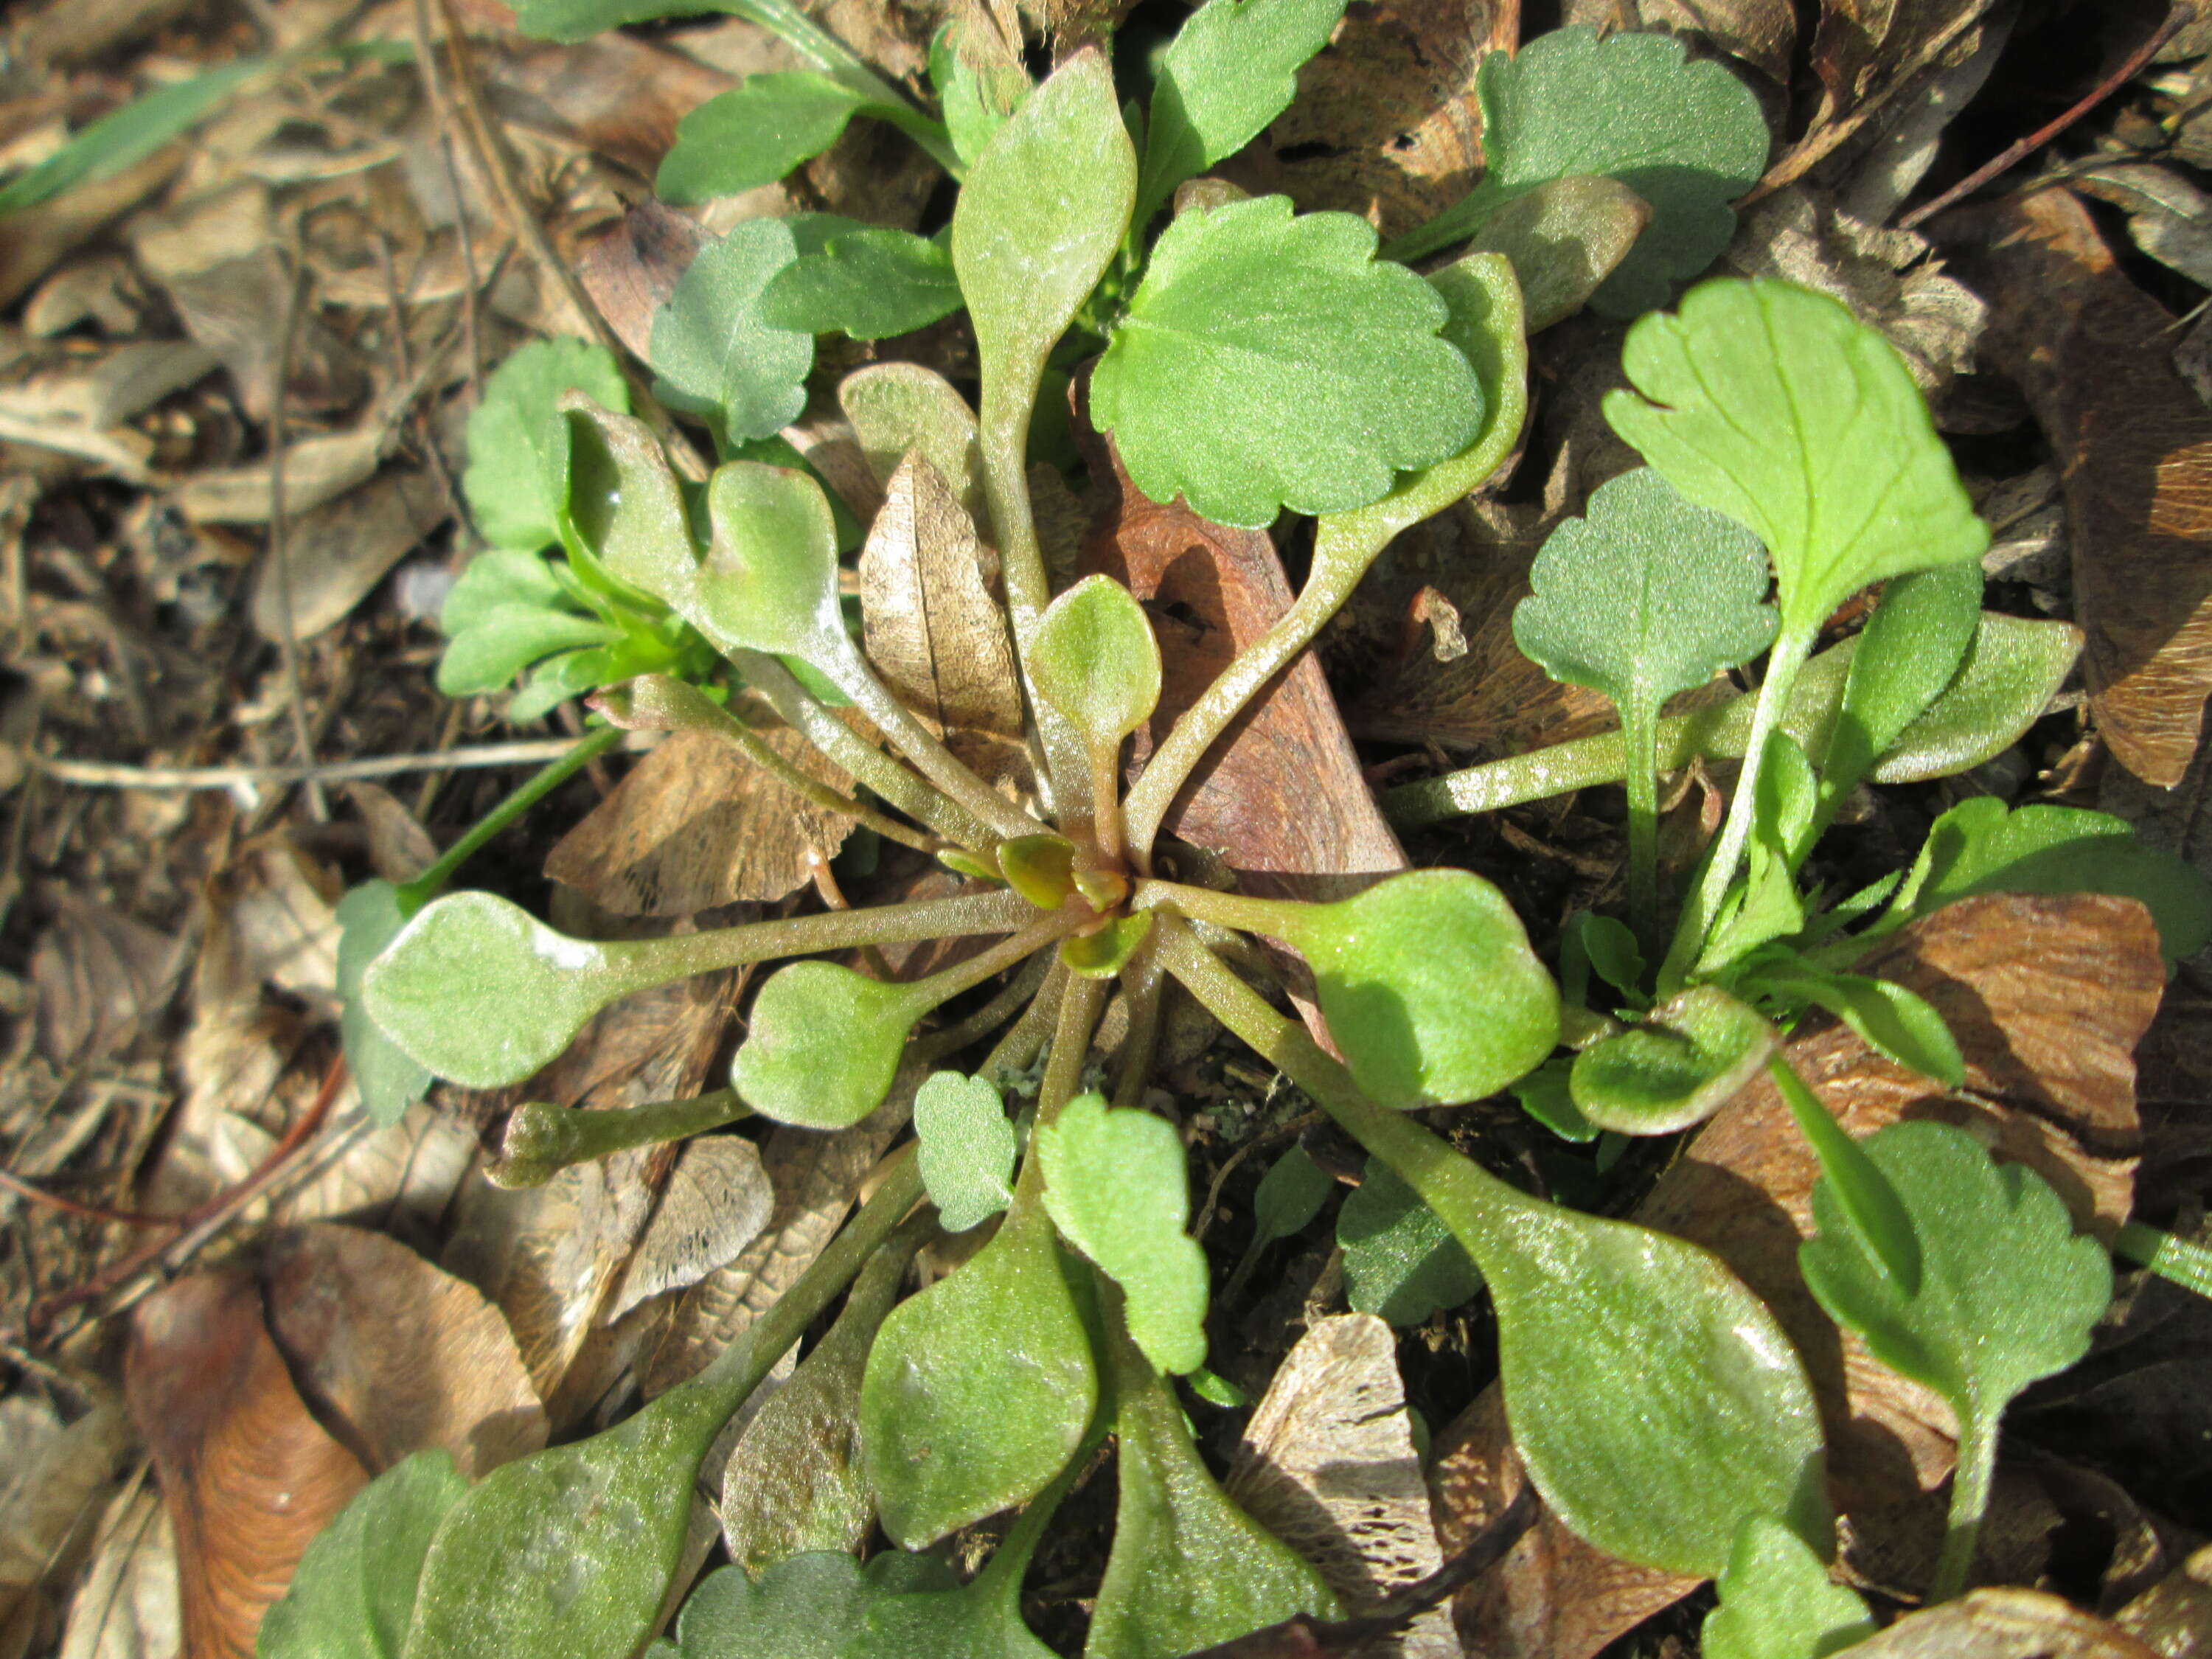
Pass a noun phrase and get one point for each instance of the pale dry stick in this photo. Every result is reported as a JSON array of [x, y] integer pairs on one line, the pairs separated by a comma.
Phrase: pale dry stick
[[491, 150], [280, 547], [1817, 147], [101, 774]]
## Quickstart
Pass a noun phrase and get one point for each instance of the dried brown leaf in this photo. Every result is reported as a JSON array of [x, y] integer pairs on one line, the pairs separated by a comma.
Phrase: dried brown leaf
[[99, 977], [342, 550], [1763, 32], [1385, 124], [40, 237], [248, 1475], [54, 1482], [1328, 1464], [613, 94], [2174, 1616], [126, 1608], [631, 270], [695, 825], [2003, 1624], [1280, 794], [2094, 355], [316, 470], [397, 1355], [934, 630], [1862, 48], [715, 1203]]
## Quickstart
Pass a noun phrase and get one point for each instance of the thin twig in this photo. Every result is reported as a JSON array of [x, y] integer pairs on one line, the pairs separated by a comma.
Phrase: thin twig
[[1816, 146], [2014, 154], [100, 774], [280, 550]]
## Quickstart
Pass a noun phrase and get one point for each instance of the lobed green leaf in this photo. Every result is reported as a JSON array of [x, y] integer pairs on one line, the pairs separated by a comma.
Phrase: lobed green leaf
[[967, 1148], [754, 134], [869, 283], [517, 481], [1777, 1602], [714, 354]]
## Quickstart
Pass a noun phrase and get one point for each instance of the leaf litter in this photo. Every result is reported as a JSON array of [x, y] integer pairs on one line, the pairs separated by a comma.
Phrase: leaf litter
[[651, 1265]]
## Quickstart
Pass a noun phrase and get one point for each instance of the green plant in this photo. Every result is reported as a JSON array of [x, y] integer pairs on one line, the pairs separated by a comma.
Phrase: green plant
[[1255, 360]]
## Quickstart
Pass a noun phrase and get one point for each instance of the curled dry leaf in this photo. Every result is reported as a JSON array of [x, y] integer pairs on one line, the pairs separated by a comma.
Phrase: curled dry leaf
[[2003, 1624], [714, 1202], [397, 1355], [1280, 793], [343, 549], [1865, 48], [696, 825], [2047, 996], [631, 270], [248, 1475], [2175, 1614], [99, 976], [1328, 1464], [934, 631], [2094, 355]]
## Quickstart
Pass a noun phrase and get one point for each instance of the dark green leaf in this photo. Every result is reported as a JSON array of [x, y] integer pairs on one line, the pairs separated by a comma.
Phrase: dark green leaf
[[1862, 1192], [754, 134], [1547, 1094], [1115, 1186], [2009, 1291], [1980, 847], [390, 1081], [1290, 1196], [1688, 137], [967, 1148], [1909, 651], [868, 283], [353, 1594], [129, 135], [980, 1389], [1428, 987], [1775, 406], [1231, 70], [715, 354], [1188, 1569], [1268, 359], [1401, 1261], [1777, 1602], [517, 481], [808, 1606], [1647, 596], [1688, 1059], [1897, 1021]]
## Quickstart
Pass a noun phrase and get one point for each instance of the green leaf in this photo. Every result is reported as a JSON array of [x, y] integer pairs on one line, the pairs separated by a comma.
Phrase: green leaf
[[2008, 1291], [754, 134], [1777, 1602], [769, 581], [627, 507], [1231, 70], [498, 579], [1609, 947], [2012, 669], [1775, 406], [1689, 1058], [967, 1148], [1897, 1021], [1565, 238], [1980, 847], [806, 1607], [127, 136], [488, 655], [1687, 137], [1105, 952], [1646, 595], [979, 86], [869, 283], [571, 1549], [1876, 1213], [390, 1081], [978, 1390], [1115, 1186], [1290, 1196], [1268, 360], [715, 354], [481, 992], [1766, 904], [1909, 651], [1399, 1260], [1188, 1569], [1428, 987], [897, 407], [570, 21], [1547, 1094], [353, 1595], [1095, 659], [793, 1483], [823, 1045], [517, 482], [1040, 216]]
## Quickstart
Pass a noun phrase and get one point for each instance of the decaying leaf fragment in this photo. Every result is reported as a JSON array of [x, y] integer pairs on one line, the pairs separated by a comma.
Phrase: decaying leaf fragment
[[1328, 1464], [2003, 1624], [934, 631], [2094, 355], [695, 825]]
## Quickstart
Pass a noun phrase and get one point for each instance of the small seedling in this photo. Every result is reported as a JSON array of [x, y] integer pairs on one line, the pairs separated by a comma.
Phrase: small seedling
[[1777, 1602]]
